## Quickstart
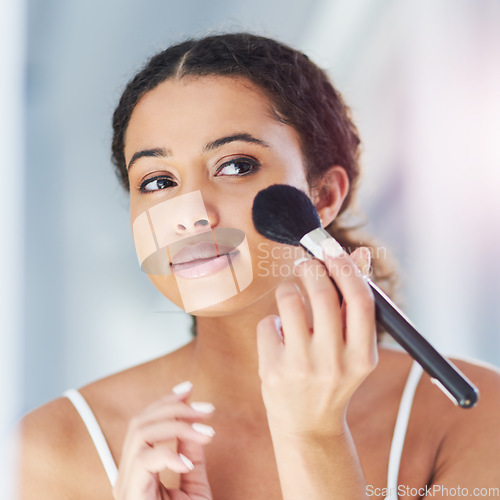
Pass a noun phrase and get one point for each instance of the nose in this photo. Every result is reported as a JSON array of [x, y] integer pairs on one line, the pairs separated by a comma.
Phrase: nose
[[175, 219], [191, 215], [192, 226]]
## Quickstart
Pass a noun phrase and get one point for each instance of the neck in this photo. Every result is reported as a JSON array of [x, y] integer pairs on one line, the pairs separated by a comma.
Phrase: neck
[[225, 362]]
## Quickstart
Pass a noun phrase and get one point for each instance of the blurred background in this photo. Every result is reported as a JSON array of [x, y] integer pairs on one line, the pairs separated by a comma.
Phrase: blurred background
[[422, 78]]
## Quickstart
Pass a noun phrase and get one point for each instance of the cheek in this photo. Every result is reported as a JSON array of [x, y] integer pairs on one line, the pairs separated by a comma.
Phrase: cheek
[[273, 262]]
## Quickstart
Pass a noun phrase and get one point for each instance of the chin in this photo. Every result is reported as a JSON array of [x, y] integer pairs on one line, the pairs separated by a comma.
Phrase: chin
[[211, 297], [243, 301]]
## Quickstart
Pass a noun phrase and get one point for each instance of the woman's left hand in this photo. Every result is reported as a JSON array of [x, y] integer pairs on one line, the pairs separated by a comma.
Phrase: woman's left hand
[[308, 377]]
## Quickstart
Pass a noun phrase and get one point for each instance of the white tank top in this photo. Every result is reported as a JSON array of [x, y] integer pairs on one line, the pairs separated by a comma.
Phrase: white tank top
[[394, 457]]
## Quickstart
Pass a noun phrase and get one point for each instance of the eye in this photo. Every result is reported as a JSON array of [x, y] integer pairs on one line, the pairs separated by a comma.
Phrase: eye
[[238, 166], [157, 183]]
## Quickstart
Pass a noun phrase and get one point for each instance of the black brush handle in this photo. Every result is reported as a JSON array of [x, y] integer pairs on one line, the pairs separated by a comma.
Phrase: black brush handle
[[450, 379], [443, 373]]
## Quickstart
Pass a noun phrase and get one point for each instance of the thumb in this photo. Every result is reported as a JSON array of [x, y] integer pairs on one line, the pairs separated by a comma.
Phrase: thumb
[[362, 258]]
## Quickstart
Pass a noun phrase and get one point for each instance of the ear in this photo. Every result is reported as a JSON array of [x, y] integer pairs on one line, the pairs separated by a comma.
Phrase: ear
[[329, 193]]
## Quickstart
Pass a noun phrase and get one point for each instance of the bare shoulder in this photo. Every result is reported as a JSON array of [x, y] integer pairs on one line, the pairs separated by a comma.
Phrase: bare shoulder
[[460, 446], [469, 454], [480, 423], [486, 378], [49, 441], [57, 454], [128, 392]]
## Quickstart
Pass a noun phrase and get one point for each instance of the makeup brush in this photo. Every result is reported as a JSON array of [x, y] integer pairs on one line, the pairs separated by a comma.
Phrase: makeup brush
[[286, 215]]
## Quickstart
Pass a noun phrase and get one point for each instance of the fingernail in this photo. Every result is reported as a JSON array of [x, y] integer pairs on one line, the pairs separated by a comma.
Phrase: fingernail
[[206, 430], [368, 258], [331, 248], [278, 324], [186, 461], [183, 387], [299, 261], [203, 407]]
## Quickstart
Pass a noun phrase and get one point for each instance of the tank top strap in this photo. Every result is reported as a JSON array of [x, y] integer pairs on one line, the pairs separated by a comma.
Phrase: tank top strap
[[400, 428], [95, 432]]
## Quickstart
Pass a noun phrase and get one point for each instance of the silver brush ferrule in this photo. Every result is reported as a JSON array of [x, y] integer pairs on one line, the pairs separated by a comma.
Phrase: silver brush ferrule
[[312, 242]]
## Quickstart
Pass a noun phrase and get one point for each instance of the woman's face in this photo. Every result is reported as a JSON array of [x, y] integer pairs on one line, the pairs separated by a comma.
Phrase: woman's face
[[198, 150]]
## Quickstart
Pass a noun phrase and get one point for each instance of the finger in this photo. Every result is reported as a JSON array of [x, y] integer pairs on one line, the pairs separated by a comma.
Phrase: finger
[[180, 392], [359, 304], [362, 259], [165, 435], [325, 306], [293, 316], [171, 411], [158, 424], [160, 415], [142, 475], [269, 342], [194, 482], [158, 432], [160, 457]]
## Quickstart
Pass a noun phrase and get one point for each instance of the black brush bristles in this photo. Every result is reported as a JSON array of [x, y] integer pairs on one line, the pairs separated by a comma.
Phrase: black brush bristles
[[284, 214]]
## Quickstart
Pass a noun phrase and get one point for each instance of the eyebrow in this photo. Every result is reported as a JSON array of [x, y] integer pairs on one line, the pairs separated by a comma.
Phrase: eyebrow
[[151, 153], [234, 138], [163, 153]]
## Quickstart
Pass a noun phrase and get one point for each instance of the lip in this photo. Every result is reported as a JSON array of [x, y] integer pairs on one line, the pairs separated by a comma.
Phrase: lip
[[200, 251], [202, 259]]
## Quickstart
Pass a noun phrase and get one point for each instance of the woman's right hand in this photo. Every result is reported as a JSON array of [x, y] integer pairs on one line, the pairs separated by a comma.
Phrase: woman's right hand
[[149, 449]]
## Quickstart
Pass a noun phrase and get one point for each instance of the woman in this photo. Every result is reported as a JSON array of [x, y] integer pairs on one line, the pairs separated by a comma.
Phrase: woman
[[283, 393]]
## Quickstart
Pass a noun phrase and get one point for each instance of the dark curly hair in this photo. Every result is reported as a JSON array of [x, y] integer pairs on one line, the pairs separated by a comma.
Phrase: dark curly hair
[[301, 96]]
